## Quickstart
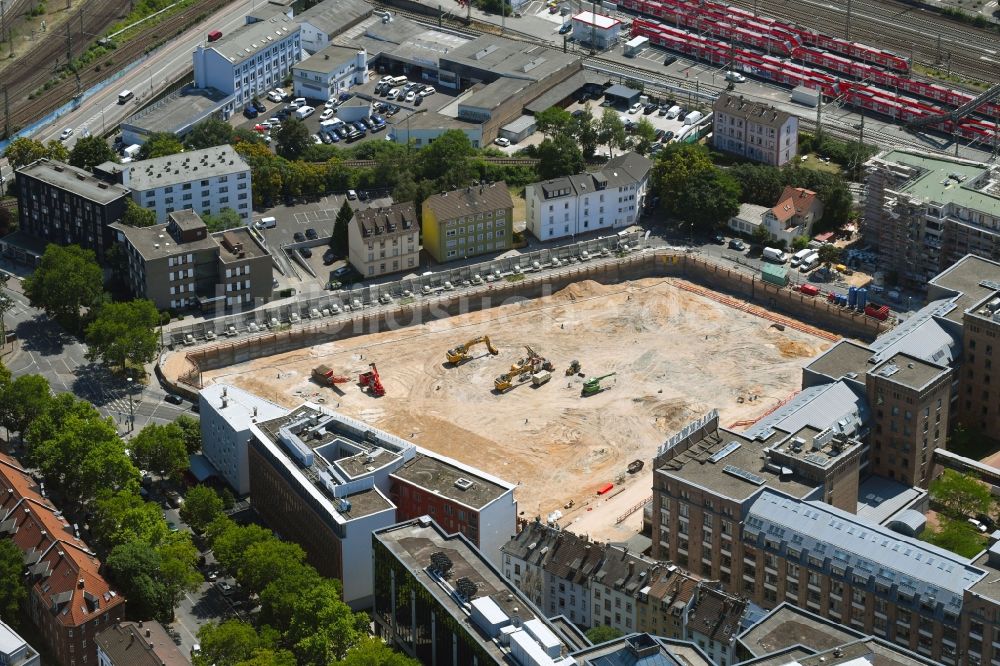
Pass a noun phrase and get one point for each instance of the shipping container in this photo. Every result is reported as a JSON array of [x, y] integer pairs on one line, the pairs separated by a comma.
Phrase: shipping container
[[605, 489], [880, 312], [809, 290], [774, 275]]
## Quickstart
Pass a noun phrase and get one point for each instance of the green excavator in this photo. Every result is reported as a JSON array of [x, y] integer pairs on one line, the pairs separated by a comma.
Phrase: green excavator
[[593, 385]]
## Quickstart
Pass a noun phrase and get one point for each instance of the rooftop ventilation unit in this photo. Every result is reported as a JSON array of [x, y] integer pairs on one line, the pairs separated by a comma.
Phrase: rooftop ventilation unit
[[463, 483], [344, 506]]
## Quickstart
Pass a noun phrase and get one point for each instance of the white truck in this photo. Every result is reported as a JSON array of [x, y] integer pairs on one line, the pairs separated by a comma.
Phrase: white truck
[[132, 151], [774, 255]]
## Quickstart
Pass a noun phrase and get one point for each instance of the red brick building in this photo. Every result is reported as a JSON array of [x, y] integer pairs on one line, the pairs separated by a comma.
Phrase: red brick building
[[69, 601]]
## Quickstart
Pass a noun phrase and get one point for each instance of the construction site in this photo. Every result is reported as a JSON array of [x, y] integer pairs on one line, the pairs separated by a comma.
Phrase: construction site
[[566, 395]]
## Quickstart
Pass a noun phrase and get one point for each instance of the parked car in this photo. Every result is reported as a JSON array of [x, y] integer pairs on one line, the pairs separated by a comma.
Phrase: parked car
[[224, 587], [427, 91], [344, 96], [298, 237], [663, 110], [342, 271], [311, 234], [326, 115], [418, 101], [669, 60], [250, 112], [410, 96], [298, 102], [737, 244], [173, 399], [352, 195], [502, 141], [316, 138], [566, 27], [648, 109], [393, 94], [635, 108], [718, 239], [305, 252], [259, 105], [735, 77], [667, 136], [329, 257]]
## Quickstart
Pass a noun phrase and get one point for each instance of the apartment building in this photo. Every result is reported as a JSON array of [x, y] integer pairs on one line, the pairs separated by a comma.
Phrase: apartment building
[[611, 198], [61, 204], [138, 644], [249, 60], [713, 622], [794, 214], [328, 482], [179, 265], [69, 601], [755, 131], [925, 213], [642, 649], [330, 72], [14, 650], [440, 601], [468, 221], [384, 240], [205, 181]]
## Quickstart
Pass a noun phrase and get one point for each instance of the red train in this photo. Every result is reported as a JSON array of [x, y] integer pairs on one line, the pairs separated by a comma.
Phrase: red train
[[860, 94]]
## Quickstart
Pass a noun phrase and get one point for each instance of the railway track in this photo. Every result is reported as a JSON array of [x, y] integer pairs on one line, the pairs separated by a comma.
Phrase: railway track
[[507, 161], [906, 30], [27, 110]]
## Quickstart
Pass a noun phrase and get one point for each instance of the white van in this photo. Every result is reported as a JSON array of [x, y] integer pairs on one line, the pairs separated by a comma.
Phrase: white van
[[809, 262], [304, 112], [693, 117], [267, 223], [774, 255], [799, 256], [673, 111], [398, 81], [125, 96]]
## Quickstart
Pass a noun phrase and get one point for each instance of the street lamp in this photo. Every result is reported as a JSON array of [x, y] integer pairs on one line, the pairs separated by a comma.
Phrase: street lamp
[[131, 407]]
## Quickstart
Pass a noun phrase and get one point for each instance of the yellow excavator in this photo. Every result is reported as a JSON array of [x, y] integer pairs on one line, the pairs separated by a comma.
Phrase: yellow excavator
[[461, 353], [533, 365]]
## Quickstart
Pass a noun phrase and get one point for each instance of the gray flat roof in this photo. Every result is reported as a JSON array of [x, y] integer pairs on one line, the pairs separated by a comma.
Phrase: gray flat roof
[[178, 112], [918, 568], [656, 651], [506, 57], [910, 371], [494, 94], [867, 650], [841, 359], [184, 167], [155, 243], [821, 407], [77, 181], [921, 335], [439, 476], [787, 626], [965, 276], [989, 585], [557, 93], [251, 247], [879, 498], [328, 60], [335, 16], [246, 40]]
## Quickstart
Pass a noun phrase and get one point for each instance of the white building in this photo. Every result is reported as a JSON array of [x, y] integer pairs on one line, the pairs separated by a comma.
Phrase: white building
[[324, 21], [597, 30], [250, 60], [205, 181], [611, 198], [330, 72], [14, 651], [227, 413], [753, 130], [748, 219]]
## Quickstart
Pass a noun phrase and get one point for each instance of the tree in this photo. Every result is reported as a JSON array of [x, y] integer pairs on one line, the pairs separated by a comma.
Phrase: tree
[[90, 151], [269, 657], [448, 160], [553, 121], [22, 400], [201, 506], [558, 157], [709, 201], [958, 536], [160, 144], [179, 568], [602, 634], [210, 132], [611, 131], [22, 151], [13, 591], [229, 541], [57, 150], [960, 494], [266, 561], [66, 280], [372, 651], [134, 567], [645, 135], [137, 216], [123, 517], [829, 254], [800, 242], [226, 219], [6, 304], [123, 333], [338, 240], [191, 428], [226, 644], [160, 449], [323, 627], [585, 131], [293, 139]]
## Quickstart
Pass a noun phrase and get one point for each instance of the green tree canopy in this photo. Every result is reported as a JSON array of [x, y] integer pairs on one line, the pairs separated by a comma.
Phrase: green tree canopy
[[602, 634], [586, 132], [372, 651], [227, 218], [448, 160], [160, 144], [645, 135], [267, 561], [227, 643], [323, 627], [209, 132], [611, 131], [710, 201], [66, 280], [191, 427], [22, 151], [293, 139], [57, 150], [160, 449], [960, 494], [559, 156], [692, 188], [230, 541], [22, 400], [201, 506], [137, 216], [123, 333], [958, 536], [13, 591], [134, 567], [89, 151], [123, 517], [338, 240], [829, 254], [554, 121], [179, 567]]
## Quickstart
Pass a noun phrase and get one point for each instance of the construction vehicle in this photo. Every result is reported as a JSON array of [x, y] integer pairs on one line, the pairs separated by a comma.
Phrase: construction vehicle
[[325, 376], [541, 377], [574, 367], [539, 361], [370, 380], [593, 385], [635, 466], [461, 352]]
